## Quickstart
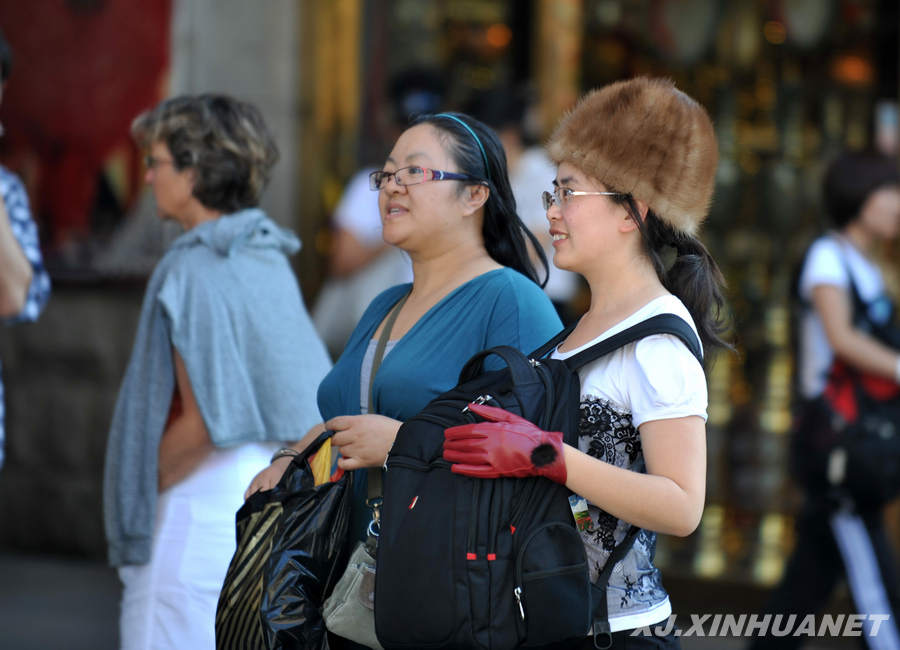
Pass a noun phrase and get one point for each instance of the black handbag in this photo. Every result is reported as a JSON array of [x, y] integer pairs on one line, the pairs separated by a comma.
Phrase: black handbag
[[291, 551], [848, 439]]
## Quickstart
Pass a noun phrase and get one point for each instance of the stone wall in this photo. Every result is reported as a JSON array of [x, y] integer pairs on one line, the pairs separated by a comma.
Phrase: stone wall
[[62, 376], [249, 50]]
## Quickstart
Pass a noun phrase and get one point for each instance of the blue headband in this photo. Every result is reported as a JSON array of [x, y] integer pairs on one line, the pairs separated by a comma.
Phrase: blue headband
[[477, 141]]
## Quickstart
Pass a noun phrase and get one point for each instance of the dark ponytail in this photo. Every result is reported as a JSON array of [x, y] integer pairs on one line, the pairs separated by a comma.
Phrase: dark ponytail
[[503, 230], [693, 277]]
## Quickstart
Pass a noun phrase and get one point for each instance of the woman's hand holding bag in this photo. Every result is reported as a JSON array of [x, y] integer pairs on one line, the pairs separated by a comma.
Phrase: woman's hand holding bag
[[363, 440]]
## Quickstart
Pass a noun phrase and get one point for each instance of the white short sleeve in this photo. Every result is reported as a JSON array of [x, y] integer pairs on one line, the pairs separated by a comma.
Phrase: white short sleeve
[[665, 381], [824, 265], [828, 261], [656, 378]]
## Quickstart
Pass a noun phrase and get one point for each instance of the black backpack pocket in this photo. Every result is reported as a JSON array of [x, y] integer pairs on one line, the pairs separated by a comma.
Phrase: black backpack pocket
[[415, 603], [553, 585]]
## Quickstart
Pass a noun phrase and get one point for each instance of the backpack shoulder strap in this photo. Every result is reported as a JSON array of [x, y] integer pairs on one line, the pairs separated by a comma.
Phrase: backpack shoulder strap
[[659, 324], [600, 629], [549, 346], [885, 331], [860, 306]]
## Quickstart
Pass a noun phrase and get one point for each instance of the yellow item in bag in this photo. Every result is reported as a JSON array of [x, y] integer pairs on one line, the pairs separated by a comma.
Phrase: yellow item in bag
[[321, 463]]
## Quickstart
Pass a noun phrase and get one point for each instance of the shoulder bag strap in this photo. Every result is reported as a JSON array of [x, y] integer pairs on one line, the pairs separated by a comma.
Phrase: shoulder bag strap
[[659, 324], [860, 319], [374, 473], [860, 306]]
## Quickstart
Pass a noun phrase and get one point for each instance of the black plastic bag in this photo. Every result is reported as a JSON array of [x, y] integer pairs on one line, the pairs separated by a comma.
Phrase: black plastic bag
[[308, 555], [290, 548], [238, 622]]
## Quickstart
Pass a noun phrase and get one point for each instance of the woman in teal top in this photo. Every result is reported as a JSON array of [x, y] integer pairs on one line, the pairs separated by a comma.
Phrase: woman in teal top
[[474, 287]]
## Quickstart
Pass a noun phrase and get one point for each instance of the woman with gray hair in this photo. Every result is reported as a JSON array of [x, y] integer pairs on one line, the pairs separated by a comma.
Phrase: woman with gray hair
[[225, 365]]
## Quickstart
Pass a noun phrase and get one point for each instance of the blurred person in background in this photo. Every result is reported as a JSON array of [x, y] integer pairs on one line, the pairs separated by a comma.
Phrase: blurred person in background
[[225, 365], [24, 283], [505, 111], [862, 195], [361, 265]]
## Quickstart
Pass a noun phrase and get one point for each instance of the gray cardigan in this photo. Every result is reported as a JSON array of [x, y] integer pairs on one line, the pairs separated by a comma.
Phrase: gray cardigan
[[225, 297]]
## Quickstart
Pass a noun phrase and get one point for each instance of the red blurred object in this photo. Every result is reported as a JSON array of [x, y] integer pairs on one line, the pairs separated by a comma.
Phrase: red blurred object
[[841, 392], [82, 72]]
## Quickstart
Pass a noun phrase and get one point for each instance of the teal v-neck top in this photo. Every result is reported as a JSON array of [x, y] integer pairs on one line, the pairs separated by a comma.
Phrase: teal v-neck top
[[501, 307]]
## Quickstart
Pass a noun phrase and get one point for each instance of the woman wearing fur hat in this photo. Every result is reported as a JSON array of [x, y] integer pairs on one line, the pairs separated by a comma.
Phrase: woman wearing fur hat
[[636, 166]]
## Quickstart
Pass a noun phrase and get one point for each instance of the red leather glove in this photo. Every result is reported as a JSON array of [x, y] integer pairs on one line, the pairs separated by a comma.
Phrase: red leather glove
[[507, 445]]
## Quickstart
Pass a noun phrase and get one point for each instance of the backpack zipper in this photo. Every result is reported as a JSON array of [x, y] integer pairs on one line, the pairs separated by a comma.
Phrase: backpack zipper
[[482, 399], [525, 495], [518, 590], [434, 419], [494, 517], [422, 466], [454, 403], [472, 539]]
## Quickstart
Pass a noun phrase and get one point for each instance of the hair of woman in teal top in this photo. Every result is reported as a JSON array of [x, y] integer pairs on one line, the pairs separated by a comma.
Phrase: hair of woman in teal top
[[477, 151]]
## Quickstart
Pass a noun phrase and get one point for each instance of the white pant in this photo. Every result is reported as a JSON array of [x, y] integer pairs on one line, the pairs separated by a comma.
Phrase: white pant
[[170, 603], [864, 576]]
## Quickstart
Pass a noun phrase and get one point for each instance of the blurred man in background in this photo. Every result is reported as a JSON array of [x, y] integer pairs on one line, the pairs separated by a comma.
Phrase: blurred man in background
[[24, 283]]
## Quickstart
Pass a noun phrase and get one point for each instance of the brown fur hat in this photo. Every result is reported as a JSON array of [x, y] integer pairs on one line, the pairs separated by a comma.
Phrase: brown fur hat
[[645, 138]]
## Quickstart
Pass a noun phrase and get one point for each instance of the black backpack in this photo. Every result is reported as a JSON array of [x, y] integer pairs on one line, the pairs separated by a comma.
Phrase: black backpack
[[493, 563]]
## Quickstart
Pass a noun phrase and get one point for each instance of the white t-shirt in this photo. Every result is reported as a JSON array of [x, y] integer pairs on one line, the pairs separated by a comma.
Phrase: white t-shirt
[[655, 378], [827, 263], [533, 174]]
